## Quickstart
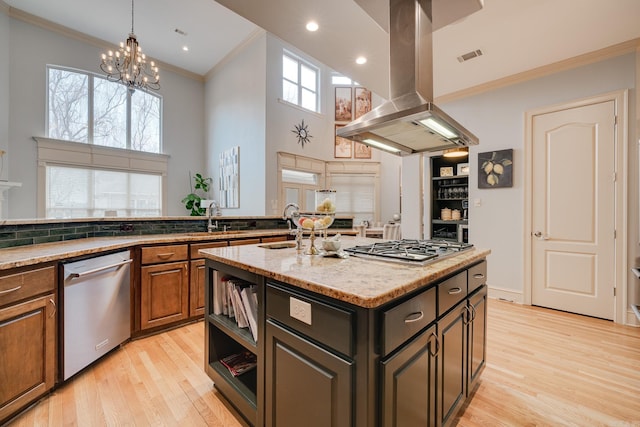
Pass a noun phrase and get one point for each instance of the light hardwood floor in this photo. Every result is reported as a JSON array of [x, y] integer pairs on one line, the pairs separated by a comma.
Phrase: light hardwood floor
[[545, 368]]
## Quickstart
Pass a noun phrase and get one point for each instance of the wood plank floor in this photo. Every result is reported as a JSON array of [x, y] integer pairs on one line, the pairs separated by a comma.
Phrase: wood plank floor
[[545, 368]]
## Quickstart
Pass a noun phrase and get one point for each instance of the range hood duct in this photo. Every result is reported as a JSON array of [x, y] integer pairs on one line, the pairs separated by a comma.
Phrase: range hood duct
[[405, 123]]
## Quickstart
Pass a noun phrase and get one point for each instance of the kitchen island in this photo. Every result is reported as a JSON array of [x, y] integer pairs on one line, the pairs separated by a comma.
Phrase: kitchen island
[[347, 341]]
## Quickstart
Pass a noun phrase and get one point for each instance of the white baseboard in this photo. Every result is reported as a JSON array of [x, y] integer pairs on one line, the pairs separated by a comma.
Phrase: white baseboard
[[506, 294], [632, 319]]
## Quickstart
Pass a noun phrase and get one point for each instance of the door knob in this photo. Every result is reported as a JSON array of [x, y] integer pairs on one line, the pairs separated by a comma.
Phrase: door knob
[[540, 236]]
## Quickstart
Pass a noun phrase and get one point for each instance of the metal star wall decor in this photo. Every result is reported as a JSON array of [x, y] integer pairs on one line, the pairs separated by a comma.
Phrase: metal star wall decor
[[302, 132]]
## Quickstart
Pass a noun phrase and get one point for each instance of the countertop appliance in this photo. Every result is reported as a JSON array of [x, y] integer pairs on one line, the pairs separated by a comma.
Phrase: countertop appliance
[[410, 122], [409, 251], [96, 307]]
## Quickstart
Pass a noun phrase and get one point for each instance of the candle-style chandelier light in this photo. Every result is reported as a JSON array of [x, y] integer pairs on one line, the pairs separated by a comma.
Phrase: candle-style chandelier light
[[129, 66]]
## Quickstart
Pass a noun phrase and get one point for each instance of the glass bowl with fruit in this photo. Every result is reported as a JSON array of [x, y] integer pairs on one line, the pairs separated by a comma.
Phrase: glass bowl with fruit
[[321, 219]]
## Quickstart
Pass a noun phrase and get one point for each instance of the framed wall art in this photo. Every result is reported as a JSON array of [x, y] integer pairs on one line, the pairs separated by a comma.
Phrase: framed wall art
[[230, 178], [361, 151], [363, 101], [495, 169], [342, 146], [343, 104]]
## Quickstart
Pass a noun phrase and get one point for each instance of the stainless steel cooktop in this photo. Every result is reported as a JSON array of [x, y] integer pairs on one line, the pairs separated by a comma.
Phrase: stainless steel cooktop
[[409, 251]]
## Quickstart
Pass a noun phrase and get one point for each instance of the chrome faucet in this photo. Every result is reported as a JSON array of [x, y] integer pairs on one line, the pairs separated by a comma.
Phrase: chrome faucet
[[210, 225], [298, 231]]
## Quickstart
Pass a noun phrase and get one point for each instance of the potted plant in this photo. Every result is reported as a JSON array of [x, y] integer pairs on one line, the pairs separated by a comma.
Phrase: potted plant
[[193, 199]]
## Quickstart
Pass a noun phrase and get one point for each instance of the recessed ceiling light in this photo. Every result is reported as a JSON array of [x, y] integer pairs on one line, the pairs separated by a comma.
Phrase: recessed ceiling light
[[361, 60], [312, 26], [185, 48]]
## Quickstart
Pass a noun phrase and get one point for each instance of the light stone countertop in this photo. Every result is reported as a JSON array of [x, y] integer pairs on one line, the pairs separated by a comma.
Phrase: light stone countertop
[[363, 282], [22, 256]]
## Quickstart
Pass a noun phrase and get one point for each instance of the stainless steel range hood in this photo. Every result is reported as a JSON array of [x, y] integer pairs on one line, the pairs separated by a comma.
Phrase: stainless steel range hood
[[409, 122]]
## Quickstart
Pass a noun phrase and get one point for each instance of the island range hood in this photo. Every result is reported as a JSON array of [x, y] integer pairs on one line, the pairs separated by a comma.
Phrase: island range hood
[[409, 122]]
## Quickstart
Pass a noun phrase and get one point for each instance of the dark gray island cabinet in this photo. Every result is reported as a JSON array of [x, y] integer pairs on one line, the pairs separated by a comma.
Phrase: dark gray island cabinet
[[348, 342]]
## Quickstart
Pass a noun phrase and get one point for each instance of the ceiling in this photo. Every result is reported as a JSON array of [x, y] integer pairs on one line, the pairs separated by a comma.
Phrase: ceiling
[[514, 35]]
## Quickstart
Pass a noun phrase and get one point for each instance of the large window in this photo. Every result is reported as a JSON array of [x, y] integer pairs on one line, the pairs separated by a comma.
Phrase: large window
[[79, 192], [300, 81], [83, 107], [81, 179]]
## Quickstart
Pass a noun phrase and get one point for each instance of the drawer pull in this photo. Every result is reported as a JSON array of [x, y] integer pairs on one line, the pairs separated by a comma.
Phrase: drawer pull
[[434, 338], [166, 256], [6, 291], [478, 276], [454, 291], [55, 308], [414, 317]]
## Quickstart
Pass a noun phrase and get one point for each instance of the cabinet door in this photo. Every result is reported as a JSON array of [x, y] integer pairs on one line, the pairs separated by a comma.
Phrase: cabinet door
[[196, 288], [306, 385], [477, 336], [408, 383], [452, 362], [28, 353], [164, 294]]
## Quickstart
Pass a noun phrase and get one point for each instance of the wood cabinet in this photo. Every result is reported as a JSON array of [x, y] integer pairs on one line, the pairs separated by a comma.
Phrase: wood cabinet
[[408, 383], [27, 337], [164, 283], [413, 361], [197, 276], [316, 346], [449, 190], [223, 338]]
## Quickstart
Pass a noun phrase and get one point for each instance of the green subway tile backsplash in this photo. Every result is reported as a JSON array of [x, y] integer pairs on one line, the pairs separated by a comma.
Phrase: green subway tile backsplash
[[29, 234]]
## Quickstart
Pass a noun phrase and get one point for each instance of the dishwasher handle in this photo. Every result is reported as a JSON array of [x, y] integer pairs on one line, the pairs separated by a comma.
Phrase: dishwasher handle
[[99, 269]]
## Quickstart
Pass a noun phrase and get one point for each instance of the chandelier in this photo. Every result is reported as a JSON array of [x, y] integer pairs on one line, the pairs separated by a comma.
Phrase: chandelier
[[128, 65]]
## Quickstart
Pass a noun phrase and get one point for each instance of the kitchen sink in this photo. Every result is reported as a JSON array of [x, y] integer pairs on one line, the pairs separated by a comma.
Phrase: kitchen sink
[[278, 245], [218, 233]]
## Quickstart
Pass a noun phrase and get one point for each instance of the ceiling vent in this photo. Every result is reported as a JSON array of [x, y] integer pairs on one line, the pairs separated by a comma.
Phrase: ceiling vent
[[469, 55]]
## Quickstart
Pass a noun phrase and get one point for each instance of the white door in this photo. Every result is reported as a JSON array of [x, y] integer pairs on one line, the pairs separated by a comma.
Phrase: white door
[[573, 210]]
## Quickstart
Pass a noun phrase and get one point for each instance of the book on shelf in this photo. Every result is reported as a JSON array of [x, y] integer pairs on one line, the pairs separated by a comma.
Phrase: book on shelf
[[250, 302], [240, 363], [237, 299]]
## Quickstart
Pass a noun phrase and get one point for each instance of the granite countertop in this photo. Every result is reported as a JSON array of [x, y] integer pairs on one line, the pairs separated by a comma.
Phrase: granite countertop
[[363, 282], [22, 256]]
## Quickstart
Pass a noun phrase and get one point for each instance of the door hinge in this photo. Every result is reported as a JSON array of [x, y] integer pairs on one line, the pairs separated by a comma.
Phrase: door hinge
[[614, 291], [615, 120], [615, 234], [615, 176]]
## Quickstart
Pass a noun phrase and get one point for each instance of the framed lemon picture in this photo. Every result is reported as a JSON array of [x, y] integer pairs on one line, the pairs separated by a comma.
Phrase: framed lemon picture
[[495, 169]]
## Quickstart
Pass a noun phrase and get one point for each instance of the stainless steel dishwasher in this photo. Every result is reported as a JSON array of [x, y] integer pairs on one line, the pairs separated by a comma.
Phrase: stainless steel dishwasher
[[97, 309]]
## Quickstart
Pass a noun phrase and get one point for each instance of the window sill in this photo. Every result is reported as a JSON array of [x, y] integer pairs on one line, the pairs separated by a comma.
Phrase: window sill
[[282, 101]]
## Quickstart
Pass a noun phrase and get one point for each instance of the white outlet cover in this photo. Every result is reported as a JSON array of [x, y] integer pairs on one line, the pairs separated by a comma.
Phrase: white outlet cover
[[300, 310]]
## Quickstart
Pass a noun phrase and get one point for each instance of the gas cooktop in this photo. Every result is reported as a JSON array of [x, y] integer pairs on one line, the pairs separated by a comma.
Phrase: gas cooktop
[[417, 252]]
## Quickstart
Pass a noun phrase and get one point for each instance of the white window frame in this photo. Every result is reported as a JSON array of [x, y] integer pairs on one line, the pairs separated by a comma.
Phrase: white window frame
[[89, 156], [303, 164], [90, 115], [308, 64]]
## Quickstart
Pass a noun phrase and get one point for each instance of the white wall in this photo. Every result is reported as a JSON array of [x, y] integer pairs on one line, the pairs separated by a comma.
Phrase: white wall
[[31, 49], [282, 119], [4, 87], [497, 118], [236, 116]]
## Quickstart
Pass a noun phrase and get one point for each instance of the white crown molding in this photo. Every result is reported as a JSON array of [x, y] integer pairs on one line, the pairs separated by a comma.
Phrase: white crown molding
[[566, 64], [4, 8], [77, 35], [255, 34]]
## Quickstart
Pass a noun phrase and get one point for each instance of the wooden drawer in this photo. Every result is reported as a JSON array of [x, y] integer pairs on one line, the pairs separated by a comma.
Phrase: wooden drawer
[[274, 239], [330, 325], [169, 253], [244, 242], [18, 285], [195, 247], [407, 319], [452, 291], [477, 276]]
